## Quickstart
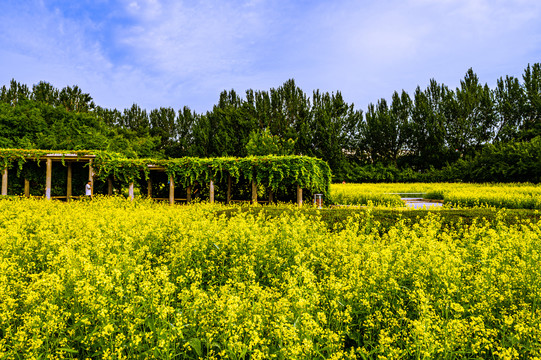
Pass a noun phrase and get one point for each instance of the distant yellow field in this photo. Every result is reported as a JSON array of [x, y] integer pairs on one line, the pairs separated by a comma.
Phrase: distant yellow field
[[511, 196]]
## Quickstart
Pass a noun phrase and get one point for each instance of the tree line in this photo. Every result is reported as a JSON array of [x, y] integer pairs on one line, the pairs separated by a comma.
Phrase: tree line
[[431, 129]]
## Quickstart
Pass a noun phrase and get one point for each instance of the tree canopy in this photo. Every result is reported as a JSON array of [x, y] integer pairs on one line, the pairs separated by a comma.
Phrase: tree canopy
[[431, 128]]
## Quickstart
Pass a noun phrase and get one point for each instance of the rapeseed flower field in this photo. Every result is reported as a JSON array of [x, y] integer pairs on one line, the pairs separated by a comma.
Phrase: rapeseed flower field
[[114, 279], [510, 196]]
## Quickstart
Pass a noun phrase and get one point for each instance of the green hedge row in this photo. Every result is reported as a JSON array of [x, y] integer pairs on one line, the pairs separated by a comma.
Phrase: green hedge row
[[501, 162]]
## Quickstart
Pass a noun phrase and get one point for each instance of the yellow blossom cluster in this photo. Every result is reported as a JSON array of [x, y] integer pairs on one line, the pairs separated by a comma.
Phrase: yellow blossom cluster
[[114, 279]]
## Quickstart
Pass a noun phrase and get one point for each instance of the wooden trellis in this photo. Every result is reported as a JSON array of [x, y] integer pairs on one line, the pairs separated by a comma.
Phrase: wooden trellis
[[67, 159]]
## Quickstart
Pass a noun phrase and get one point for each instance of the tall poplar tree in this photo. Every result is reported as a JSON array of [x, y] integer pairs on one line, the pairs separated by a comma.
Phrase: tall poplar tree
[[45, 93], [332, 119], [162, 125], [427, 128], [472, 121], [532, 109], [510, 102]]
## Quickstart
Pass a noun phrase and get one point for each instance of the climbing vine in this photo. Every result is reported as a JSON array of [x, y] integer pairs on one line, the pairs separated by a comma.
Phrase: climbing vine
[[10, 157], [272, 171]]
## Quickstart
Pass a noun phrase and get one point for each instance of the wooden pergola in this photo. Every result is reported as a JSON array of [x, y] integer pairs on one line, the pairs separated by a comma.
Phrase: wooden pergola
[[188, 198], [69, 159]]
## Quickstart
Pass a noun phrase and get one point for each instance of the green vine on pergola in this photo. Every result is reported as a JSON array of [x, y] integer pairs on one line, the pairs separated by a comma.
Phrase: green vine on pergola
[[9, 157], [272, 171]]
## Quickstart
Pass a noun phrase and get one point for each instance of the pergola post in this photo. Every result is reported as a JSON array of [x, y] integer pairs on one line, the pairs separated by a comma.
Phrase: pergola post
[[189, 193], [299, 195], [48, 178], [109, 186], [228, 197], [91, 177], [171, 190], [26, 187], [211, 191], [5, 181], [254, 192], [271, 196], [149, 188], [130, 191], [69, 184]]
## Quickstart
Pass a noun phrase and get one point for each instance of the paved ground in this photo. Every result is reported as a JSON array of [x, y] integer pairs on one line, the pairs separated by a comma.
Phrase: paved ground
[[417, 203]]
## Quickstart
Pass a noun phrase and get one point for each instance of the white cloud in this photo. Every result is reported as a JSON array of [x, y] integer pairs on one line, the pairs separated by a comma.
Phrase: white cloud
[[134, 6], [175, 53], [209, 37], [372, 50], [43, 45], [50, 40]]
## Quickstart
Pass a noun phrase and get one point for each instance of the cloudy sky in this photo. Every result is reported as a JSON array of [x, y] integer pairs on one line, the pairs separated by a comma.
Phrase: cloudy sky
[[174, 53]]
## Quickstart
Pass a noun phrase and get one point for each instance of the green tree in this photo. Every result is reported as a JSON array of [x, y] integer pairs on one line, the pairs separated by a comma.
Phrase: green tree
[[509, 100], [45, 93], [532, 109], [290, 111], [163, 126], [136, 119], [400, 112], [332, 120], [385, 128], [470, 116], [285, 112], [111, 117], [376, 131], [426, 131], [230, 126], [73, 99], [16, 93], [202, 134], [184, 124], [264, 143]]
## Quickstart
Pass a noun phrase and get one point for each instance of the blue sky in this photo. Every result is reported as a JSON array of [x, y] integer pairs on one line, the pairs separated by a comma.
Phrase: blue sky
[[175, 53]]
